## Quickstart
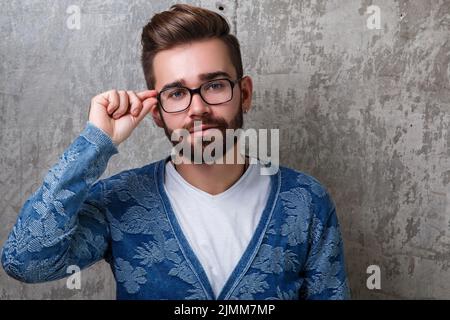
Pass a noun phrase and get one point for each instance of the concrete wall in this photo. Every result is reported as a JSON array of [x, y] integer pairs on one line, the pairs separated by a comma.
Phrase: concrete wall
[[365, 110]]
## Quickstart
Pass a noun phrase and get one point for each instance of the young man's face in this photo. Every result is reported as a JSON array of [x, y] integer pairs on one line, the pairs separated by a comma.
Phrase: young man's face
[[187, 63]]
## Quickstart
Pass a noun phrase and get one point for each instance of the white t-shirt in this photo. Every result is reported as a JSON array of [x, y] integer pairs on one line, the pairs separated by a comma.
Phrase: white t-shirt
[[218, 227]]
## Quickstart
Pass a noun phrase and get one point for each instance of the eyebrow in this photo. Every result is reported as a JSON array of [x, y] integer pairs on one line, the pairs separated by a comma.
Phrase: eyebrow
[[203, 77]]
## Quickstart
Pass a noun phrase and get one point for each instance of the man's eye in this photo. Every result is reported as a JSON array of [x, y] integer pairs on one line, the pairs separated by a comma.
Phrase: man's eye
[[214, 86], [176, 94]]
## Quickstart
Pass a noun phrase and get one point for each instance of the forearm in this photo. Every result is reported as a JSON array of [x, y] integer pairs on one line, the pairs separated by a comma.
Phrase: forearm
[[59, 224]]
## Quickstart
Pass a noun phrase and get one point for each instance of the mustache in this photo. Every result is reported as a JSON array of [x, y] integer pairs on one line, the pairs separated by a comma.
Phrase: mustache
[[220, 123]]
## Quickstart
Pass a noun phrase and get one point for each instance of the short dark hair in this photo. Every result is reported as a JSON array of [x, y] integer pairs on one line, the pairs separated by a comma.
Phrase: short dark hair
[[183, 24]]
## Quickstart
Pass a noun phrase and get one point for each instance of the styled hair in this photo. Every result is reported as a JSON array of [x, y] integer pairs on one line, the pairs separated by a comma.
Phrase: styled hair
[[184, 24]]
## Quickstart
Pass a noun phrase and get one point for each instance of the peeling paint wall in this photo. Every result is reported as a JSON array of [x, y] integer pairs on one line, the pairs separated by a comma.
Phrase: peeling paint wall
[[364, 110]]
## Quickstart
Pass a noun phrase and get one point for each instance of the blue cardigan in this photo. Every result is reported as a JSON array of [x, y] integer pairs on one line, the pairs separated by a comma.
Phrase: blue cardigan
[[296, 251]]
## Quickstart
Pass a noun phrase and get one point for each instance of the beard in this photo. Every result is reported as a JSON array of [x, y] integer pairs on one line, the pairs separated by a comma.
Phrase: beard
[[219, 123]]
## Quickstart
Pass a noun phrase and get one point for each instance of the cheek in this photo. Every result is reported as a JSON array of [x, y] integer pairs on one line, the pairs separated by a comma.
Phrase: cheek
[[233, 108], [174, 121], [229, 110]]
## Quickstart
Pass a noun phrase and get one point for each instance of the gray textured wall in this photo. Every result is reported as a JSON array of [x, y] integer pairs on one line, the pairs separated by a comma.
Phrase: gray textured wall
[[366, 111]]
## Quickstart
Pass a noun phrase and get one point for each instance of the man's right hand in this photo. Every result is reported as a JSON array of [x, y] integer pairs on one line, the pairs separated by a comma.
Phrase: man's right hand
[[117, 113]]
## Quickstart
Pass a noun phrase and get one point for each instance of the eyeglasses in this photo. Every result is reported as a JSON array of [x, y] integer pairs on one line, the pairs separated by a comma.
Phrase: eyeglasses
[[213, 92]]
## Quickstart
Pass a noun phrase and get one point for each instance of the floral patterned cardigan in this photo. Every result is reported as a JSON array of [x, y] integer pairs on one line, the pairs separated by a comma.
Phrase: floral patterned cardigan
[[76, 219]]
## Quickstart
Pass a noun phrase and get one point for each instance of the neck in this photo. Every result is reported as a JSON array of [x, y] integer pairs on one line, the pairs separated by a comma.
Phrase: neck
[[214, 178]]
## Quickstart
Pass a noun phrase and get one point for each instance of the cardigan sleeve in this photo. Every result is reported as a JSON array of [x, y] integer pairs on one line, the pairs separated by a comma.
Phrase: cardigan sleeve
[[63, 223], [325, 272]]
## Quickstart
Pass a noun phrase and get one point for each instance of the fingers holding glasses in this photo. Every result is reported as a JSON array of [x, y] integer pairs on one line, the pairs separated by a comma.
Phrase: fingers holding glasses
[[121, 102], [118, 112], [148, 98], [147, 105], [146, 94]]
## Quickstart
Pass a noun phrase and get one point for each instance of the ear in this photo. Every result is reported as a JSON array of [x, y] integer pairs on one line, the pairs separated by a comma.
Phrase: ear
[[156, 115], [246, 93]]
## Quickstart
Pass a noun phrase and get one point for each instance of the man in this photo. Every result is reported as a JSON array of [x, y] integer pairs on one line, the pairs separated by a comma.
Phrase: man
[[181, 230]]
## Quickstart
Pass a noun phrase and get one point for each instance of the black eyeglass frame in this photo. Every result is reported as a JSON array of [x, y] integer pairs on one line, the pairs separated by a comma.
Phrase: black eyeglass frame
[[198, 90]]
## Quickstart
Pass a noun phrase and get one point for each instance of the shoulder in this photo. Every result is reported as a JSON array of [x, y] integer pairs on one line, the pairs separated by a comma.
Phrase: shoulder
[[299, 186], [145, 175]]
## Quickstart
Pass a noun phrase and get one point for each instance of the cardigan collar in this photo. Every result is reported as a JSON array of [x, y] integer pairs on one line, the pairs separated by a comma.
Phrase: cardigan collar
[[249, 253]]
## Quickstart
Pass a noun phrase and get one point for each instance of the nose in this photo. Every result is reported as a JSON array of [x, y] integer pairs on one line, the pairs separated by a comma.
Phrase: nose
[[198, 107]]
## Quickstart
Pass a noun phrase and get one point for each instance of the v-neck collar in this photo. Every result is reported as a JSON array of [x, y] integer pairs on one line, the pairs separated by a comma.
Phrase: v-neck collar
[[247, 257], [206, 195]]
